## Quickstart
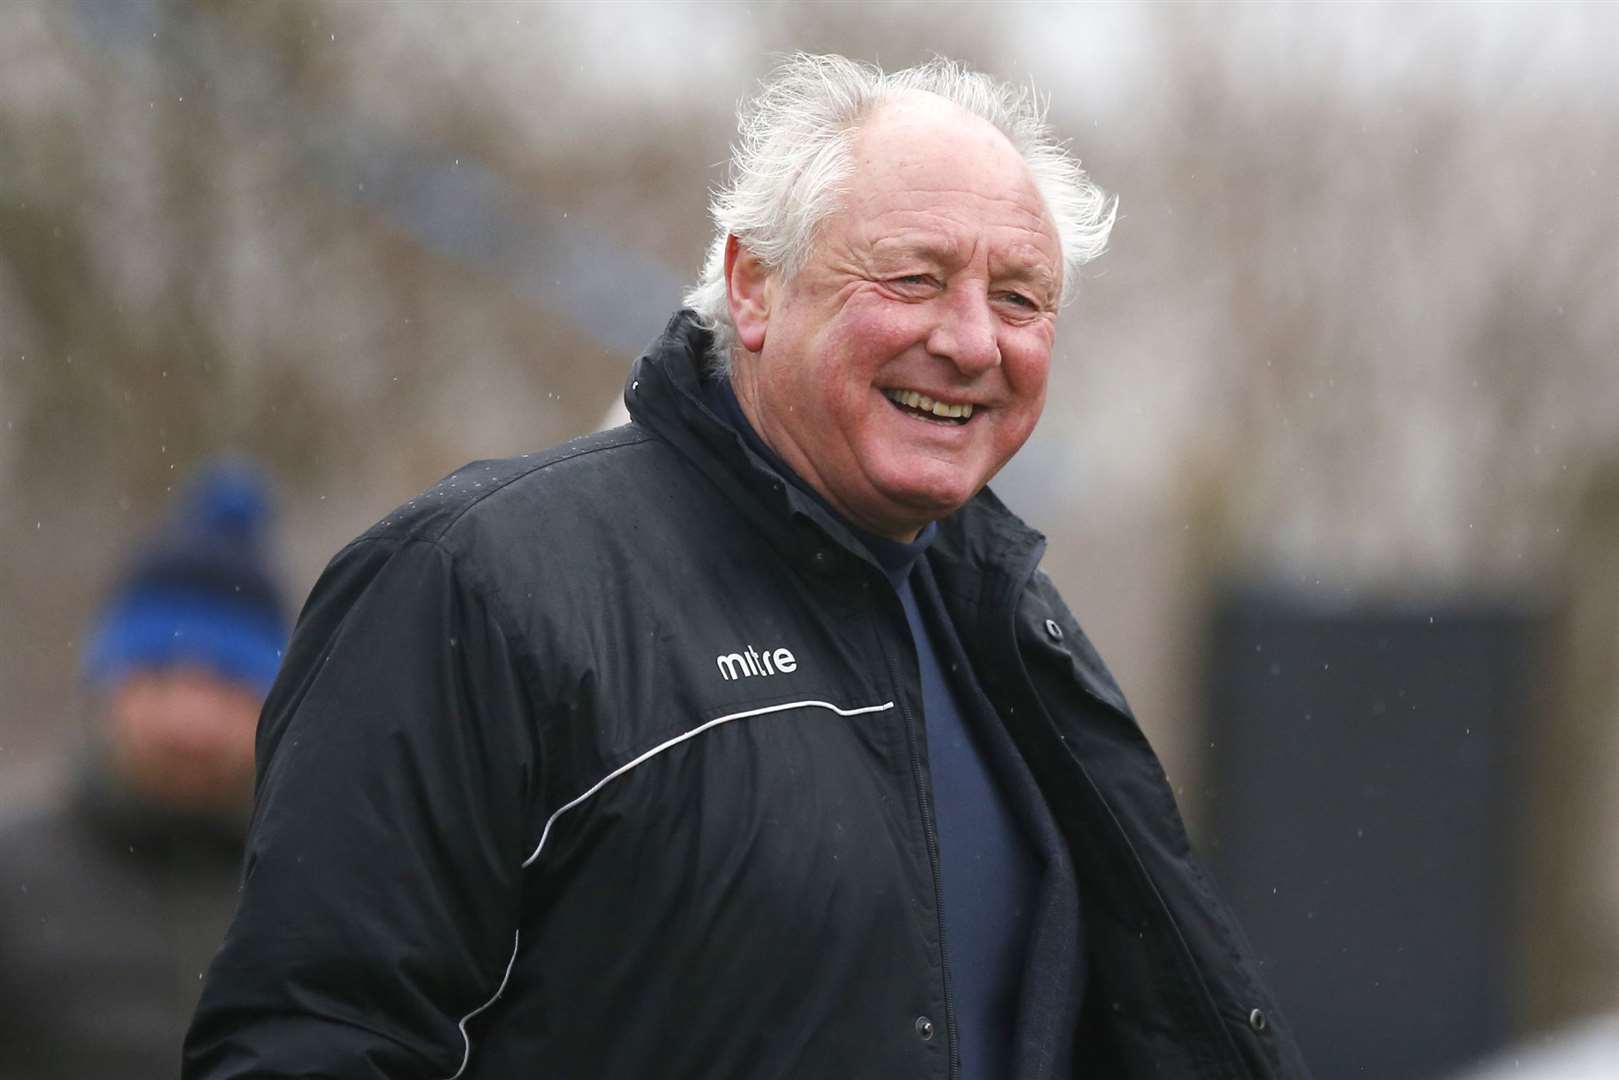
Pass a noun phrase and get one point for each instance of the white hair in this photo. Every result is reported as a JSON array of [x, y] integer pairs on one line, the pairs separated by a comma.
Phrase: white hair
[[794, 153]]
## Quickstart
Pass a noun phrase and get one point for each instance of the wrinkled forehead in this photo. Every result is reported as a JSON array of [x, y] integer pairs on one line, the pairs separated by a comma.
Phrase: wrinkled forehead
[[923, 164]]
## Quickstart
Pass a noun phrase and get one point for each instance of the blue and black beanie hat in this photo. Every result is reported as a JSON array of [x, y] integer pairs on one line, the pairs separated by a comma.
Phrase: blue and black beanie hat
[[203, 592]]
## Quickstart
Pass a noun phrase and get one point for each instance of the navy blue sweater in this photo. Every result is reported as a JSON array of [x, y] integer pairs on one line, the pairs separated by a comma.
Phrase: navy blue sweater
[[990, 871]]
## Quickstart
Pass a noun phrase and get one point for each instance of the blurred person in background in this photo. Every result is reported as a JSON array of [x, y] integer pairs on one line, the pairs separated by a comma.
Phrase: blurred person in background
[[117, 894], [746, 740]]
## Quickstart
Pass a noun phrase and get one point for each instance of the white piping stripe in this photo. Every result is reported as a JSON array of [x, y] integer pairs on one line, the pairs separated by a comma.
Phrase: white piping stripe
[[698, 730], [466, 1039]]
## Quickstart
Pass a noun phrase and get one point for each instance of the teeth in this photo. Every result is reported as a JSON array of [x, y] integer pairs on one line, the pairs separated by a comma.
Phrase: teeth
[[921, 401]]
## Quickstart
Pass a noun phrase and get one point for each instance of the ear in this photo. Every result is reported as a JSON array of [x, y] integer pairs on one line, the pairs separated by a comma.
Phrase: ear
[[748, 286]]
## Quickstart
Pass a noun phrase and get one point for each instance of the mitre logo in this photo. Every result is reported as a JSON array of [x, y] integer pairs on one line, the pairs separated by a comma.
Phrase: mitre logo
[[750, 662]]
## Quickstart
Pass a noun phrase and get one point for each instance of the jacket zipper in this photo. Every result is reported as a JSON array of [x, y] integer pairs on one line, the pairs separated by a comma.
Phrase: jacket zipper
[[930, 832]]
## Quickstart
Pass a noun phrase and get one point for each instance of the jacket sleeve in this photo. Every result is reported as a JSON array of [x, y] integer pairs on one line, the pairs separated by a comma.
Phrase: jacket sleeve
[[380, 894]]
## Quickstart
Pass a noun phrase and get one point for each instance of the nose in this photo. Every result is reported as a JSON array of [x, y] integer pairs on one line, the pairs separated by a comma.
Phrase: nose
[[966, 333]]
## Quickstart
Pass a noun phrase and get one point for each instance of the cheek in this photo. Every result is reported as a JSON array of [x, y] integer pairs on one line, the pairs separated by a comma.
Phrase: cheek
[[132, 714], [846, 365], [872, 329], [1026, 372]]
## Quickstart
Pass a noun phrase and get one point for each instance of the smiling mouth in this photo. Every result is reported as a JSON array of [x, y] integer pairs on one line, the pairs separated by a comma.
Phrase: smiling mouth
[[921, 406]]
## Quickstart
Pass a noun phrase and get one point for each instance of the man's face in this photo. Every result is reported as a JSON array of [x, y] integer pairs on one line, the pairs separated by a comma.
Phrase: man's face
[[183, 737], [933, 290]]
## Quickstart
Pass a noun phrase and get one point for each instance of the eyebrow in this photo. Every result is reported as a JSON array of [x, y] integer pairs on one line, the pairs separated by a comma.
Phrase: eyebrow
[[940, 250], [936, 249], [1034, 275]]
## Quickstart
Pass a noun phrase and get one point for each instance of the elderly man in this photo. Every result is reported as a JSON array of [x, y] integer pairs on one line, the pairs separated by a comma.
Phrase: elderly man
[[746, 740]]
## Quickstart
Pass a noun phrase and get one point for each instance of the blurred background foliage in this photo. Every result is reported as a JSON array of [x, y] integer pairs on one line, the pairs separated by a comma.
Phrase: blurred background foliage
[[1358, 333]]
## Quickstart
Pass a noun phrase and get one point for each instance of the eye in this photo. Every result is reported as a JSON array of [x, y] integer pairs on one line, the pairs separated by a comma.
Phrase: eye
[[913, 288], [1017, 299]]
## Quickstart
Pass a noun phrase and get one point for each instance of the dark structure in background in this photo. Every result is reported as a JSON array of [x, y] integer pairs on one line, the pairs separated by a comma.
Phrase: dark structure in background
[[1366, 770]]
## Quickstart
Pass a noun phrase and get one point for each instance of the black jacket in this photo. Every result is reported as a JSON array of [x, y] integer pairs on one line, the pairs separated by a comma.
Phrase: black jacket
[[608, 762], [110, 908]]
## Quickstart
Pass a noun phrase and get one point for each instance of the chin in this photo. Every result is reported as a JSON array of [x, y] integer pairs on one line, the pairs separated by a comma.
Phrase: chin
[[920, 506], [921, 488]]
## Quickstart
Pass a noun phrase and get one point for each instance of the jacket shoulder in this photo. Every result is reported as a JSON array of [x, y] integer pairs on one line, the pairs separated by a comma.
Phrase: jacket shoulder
[[511, 497], [554, 523]]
